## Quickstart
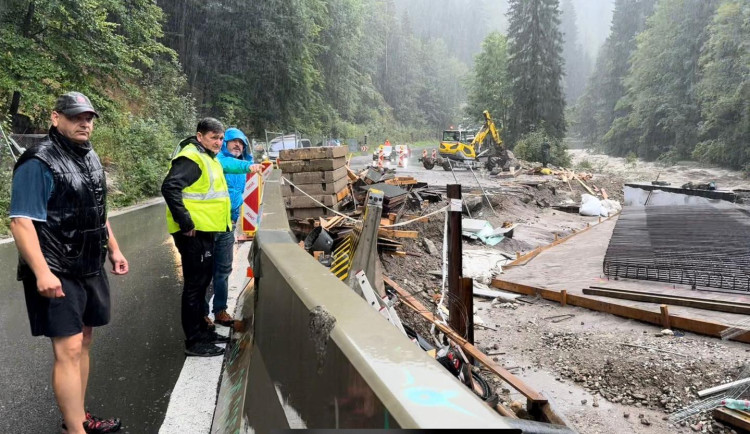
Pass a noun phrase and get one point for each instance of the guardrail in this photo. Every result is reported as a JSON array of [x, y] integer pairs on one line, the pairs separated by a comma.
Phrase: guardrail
[[310, 353]]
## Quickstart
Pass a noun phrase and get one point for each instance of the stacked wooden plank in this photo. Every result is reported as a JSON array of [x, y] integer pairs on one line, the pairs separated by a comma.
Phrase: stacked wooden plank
[[318, 176]]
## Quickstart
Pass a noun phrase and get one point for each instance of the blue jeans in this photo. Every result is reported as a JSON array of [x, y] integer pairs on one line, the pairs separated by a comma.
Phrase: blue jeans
[[223, 256]]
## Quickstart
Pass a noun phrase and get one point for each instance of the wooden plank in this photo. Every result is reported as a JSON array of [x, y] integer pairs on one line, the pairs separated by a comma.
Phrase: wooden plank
[[313, 153], [717, 305], [509, 378], [292, 166], [318, 177], [390, 233], [678, 322], [311, 189], [734, 418], [342, 193], [591, 192]]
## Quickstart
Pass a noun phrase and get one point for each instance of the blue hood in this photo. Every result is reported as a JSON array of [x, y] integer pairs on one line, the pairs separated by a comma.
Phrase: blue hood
[[235, 133]]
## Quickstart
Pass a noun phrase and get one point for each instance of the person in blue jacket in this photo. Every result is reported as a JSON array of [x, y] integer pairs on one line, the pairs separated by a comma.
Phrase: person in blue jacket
[[235, 150]]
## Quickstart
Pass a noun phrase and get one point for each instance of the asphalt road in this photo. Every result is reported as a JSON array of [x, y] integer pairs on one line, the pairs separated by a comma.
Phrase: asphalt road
[[136, 359]]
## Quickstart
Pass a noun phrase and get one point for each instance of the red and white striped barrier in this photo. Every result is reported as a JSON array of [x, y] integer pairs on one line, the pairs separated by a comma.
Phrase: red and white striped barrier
[[251, 199], [267, 169]]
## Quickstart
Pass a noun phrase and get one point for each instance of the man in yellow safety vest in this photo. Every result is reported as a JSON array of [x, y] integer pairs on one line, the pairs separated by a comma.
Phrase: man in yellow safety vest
[[198, 206]]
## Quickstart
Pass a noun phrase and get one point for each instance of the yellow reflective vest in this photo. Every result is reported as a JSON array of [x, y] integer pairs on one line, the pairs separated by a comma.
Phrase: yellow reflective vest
[[207, 199]]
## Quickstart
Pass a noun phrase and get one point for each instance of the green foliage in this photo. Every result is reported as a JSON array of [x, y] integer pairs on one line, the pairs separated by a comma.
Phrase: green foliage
[[584, 165], [489, 86], [631, 160], [724, 89], [529, 148], [535, 65], [135, 153], [109, 50]]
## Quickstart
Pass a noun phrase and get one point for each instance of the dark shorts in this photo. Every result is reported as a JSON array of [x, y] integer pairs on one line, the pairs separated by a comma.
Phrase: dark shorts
[[86, 303]]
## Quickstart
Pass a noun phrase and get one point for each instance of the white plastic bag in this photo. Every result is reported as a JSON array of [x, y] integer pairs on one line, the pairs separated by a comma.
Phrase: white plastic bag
[[591, 206]]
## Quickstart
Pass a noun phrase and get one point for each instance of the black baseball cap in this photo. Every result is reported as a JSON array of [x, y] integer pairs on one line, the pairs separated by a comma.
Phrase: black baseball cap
[[74, 103]]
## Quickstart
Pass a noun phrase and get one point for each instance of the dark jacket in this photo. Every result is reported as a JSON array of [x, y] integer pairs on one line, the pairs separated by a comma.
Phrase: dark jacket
[[74, 238]]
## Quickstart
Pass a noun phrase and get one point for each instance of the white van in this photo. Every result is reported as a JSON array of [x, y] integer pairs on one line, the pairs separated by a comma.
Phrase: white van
[[280, 143]]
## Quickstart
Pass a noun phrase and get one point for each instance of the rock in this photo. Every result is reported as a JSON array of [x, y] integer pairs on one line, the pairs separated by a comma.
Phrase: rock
[[645, 421], [429, 247], [639, 396], [584, 401], [667, 332], [697, 427], [626, 415], [596, 402]]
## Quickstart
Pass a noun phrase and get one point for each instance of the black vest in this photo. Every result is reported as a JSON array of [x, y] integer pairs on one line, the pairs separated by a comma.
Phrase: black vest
[[74, 237]]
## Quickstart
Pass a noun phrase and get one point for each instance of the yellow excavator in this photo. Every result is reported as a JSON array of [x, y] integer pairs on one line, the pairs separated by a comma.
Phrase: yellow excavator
[[455, 152]]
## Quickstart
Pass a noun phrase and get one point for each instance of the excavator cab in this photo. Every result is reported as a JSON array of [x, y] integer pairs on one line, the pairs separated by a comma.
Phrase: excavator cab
[[455, 145]]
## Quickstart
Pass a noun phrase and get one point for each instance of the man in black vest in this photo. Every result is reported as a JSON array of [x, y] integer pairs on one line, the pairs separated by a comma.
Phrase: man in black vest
[[59, 220]]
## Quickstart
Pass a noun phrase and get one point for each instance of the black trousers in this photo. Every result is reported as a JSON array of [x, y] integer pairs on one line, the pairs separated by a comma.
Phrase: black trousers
[[197, 271]]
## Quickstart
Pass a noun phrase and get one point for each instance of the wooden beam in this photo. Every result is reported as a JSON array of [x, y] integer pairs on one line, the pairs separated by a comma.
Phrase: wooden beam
[[392, 233], [455, 258], [734, 418], [509, 378], [664, 316], [563, 297], [678, 322], [700, 303]]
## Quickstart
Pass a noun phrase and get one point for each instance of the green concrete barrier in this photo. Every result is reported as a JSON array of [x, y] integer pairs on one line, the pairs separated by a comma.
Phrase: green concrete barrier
[[310, 353]]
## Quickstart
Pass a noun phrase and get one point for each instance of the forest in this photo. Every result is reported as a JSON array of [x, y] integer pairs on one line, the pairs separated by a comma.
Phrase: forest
[[667, 80], [672, 82]]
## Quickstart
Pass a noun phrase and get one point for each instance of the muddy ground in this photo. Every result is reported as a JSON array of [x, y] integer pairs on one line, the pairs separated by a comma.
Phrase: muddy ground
[[589, 364]]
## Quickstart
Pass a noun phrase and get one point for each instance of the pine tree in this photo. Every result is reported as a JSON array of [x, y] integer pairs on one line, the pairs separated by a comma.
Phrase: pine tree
[[535, 66], [577, 62]]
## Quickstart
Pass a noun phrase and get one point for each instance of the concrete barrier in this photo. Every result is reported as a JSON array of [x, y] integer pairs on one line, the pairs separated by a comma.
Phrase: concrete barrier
[[310, 353]]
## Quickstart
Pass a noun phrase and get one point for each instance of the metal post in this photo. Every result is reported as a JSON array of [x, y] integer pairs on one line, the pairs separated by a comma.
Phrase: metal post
[[484, 193], [455, 259]]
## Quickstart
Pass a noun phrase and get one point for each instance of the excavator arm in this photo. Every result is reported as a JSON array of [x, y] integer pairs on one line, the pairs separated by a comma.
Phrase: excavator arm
[[487, 129]]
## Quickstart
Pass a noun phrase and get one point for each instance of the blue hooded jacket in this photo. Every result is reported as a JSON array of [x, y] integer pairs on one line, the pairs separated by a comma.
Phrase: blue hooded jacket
[[236, 183]]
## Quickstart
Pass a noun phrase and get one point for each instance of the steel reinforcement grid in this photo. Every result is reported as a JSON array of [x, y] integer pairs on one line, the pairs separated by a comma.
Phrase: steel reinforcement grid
[[698, 246]]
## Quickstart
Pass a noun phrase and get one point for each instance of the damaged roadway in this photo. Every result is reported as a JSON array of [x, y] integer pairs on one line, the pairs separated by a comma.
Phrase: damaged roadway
[[579, 362]]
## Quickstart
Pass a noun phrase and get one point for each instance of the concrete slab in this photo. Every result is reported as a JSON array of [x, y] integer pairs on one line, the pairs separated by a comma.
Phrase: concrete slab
[[577, 264]]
